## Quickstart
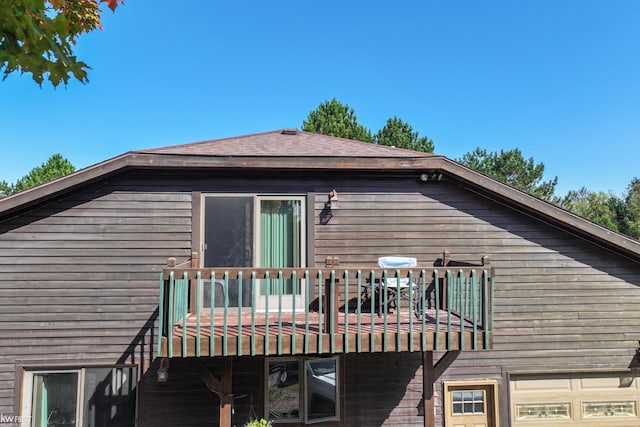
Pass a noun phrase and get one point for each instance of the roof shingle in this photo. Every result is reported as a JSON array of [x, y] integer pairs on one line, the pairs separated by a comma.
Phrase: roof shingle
[[285, 143]]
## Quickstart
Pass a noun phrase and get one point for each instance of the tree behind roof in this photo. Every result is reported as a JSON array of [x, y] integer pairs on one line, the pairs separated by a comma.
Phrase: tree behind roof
[[596, 206], [513, 169], [333, 118], [631, 214], [56, 167], [397, 133]]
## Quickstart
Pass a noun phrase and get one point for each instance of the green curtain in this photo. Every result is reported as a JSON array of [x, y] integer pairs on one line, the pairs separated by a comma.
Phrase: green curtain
[[39, 404], [280, 222]]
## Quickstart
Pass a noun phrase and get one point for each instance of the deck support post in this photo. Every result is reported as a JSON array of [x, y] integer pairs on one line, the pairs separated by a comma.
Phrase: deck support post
[[226, 398], [428, 378], [221, 387]]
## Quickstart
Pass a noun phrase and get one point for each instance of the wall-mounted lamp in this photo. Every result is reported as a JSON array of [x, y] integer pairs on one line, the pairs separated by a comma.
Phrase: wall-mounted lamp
[[163, 370], [430, 176], [332, 201]]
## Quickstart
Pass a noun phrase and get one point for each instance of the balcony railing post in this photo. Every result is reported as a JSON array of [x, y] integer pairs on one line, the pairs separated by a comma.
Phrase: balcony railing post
[[330, 313], [193, 292]]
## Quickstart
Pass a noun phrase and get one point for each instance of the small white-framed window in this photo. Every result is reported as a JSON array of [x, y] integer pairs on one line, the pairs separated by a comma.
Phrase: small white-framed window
[[50, 398], [302, 389], [75, 397]]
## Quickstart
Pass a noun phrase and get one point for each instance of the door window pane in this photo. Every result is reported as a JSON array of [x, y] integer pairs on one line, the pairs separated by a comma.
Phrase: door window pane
[[468, 402], [54, 399], [280, 242], [228, 231], [322, 393], [228, 238], [283, 390]]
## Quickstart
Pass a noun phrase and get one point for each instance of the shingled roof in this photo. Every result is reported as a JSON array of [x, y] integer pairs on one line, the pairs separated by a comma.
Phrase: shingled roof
[[285, 143]]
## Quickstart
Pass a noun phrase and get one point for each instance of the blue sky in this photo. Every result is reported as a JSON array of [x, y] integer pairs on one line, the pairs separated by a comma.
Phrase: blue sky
[[558, 79]]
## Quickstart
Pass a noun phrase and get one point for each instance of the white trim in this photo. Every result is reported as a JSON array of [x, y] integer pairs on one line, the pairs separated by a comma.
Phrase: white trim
[[27, 394]]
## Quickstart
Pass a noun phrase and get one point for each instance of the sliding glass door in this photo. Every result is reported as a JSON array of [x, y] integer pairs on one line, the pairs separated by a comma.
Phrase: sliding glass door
[[260, 231]]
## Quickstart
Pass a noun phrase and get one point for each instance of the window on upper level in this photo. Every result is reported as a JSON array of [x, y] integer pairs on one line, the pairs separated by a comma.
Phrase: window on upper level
[[254, 230]]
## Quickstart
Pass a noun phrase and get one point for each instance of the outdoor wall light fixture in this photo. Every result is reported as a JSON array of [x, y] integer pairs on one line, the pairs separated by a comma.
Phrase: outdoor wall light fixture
[[332, 201], [430, 176], [163, 370]]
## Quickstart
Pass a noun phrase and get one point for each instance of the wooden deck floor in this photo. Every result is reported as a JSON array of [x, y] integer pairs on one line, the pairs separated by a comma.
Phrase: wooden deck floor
[[269, 333]]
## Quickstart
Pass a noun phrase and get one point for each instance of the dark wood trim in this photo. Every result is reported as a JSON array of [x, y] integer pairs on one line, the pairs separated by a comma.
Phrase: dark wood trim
[[372, 163], [196, 223], [342, 391], [428, 380], [212, 383], [226, 399], [17, 387], [504, 400], [311, 229], [445, 361], [49, 190]]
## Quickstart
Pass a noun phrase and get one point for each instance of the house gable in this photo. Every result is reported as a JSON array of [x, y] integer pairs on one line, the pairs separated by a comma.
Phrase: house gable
[[298, 151]]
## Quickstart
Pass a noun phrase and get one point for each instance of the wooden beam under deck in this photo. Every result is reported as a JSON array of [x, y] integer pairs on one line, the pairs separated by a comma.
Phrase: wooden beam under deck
[[289, 336], [321, 344]]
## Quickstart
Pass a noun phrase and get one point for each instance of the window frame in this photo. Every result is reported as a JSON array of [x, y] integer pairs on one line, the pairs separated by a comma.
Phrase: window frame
[[27, 378], [257, 300], [27, 393], [257, 198], [303, 385], [491, 399]]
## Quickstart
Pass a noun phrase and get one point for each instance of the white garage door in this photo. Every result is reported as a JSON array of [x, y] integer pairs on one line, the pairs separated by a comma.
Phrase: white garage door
[[603, 400]]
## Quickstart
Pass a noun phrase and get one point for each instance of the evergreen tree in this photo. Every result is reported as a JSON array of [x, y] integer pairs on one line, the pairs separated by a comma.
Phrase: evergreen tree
[[598, 207], [56, 167], [513, 169], [397, 133], [336, 119]]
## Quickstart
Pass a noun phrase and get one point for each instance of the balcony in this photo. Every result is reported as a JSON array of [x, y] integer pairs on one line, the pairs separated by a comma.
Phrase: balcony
[[293, 311]]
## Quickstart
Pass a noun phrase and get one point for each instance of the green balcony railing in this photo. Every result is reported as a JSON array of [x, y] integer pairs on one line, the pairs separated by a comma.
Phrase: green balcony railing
[[265, 311]]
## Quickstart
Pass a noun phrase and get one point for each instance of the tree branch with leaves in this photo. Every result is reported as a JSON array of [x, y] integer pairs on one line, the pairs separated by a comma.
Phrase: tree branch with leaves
[[38, 37]]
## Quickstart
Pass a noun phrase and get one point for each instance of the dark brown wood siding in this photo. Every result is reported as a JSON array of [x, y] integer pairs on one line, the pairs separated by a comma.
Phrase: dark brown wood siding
[[79, 278], [561, 303], [383, 389], [378, 389], [79, 281]]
